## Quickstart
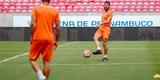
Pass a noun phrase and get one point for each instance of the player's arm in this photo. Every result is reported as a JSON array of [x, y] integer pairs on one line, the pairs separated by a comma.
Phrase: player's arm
[[33, 22], [32, 25], [58, 28]]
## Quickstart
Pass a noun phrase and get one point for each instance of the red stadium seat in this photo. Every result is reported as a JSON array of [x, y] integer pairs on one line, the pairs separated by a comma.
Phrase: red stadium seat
[[19, 0], [120, 8], [24, 4], [1, 7], [97, 4], [18, 4], [91, 3], [12, 3], [25, 8], [138, 10], [133, 3], [56, 7], [114, 3], [62, 10], [31, 0], [139, 7], [13, 0], [151, 10], [139, 3], [6, 4], [73, 0], [5, 11], [6, 0], [60, 3], [36, 3], [12, 8], [151, 7], [83, 5], [157, 10], [94, 10], [81, 9], [121, 3], [30, 7], [79, 3], [69, 8], [88, 8], [157, 3], [26, 1], [5, 7], [17, 11], [132, 10], [30, 4], [152, 3], [11, 11], [37, 0], [75, 10], [128, 3], [146, 3], [24, 11], [29, 11], [2, 1], [18, 8], [157, 7], [126, 8]]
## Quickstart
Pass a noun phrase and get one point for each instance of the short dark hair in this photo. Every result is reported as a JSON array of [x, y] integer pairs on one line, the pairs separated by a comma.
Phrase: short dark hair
[[107, 2], [46, 1]]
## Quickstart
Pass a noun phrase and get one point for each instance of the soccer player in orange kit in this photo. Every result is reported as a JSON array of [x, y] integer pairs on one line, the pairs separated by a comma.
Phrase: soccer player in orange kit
[[43, 42], [104, 31]]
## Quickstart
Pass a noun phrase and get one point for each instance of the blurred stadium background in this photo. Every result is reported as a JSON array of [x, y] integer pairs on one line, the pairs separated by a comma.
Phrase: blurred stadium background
[[132, 19], [133, 47]]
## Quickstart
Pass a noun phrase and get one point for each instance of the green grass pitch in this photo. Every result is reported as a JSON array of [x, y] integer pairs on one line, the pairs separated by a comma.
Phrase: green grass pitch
[[129, 60]]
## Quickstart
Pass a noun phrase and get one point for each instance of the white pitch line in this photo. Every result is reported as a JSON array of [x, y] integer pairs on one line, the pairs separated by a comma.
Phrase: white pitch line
[[14, 57], [105, 63], [96, 64]]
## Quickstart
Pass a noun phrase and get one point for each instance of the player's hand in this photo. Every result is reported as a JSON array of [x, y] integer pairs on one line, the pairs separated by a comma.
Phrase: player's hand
[[55, 46], [97, 26]]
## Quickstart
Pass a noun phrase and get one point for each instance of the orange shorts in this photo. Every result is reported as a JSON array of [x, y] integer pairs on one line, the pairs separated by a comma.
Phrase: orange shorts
[[103, 33], [43, 47]]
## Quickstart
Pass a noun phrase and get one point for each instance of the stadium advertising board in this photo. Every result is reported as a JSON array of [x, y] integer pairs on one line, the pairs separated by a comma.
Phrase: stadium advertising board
[[92, 21]]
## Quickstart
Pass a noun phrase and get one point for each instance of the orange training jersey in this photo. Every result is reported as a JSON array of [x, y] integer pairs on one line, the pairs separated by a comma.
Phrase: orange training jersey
[[106, 15], [45, 18]]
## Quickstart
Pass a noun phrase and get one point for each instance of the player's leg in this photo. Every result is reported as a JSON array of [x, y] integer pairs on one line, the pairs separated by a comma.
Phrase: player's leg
[[47, 57], [34, 54], [46, 69], [105, 38], [96, 37], [105, 48], [37, 69]]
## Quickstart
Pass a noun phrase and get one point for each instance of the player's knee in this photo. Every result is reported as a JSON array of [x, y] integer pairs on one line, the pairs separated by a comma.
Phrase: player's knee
[[95, 38], [105, 40]]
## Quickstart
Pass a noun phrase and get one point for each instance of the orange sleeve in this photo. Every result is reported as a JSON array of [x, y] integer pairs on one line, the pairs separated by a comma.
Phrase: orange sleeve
[[33, 12]]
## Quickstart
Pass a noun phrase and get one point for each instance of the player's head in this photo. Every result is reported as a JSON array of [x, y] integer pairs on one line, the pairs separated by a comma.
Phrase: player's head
[[106, 5], [46, 1]]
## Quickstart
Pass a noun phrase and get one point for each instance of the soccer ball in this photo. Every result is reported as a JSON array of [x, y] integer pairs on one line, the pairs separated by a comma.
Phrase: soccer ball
[[86, 53]]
